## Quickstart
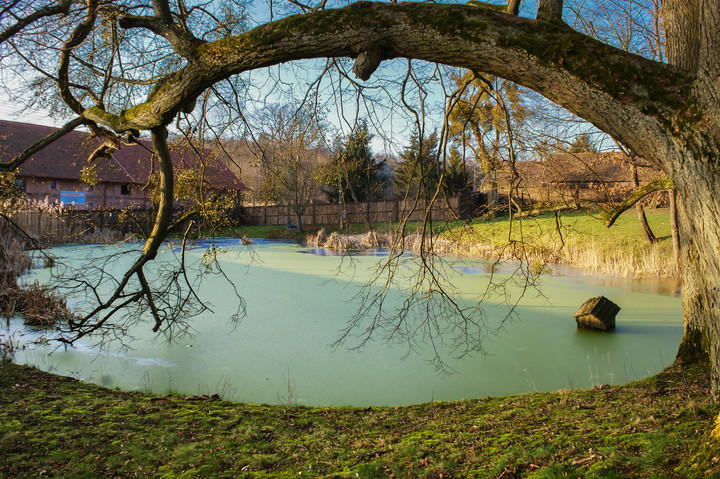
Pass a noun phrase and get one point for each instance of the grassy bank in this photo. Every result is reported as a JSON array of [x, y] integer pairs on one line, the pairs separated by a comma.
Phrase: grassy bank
[[56, 426], [577, 239]]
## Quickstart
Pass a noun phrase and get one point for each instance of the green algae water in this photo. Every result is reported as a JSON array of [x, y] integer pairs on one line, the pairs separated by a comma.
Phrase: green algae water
[[298, 299]]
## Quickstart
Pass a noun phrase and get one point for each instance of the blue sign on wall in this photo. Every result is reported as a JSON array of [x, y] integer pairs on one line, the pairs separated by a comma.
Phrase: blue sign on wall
[[76, 198]]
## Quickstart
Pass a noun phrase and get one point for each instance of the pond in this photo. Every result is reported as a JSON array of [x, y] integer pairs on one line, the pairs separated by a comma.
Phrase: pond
[[299, 298]]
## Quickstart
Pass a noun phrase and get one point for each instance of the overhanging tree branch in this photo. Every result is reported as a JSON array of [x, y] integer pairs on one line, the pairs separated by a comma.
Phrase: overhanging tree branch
[[627, 95], [658, 185], [609, 216]]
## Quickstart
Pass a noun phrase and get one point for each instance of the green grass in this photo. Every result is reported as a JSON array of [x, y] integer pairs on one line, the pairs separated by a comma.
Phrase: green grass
[[56, 426], [578, 226]]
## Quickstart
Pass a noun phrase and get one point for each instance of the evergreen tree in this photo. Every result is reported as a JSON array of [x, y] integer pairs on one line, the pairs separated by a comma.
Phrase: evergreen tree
[[418, 170], [353, 169], [456, 179], [583, 144]]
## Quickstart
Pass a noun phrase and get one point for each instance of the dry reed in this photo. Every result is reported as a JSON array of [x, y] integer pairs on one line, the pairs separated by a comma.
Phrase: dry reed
[[39, 304], [650, 260]]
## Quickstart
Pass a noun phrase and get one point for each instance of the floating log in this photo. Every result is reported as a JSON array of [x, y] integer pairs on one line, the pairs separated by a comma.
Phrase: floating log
[[597, 313]]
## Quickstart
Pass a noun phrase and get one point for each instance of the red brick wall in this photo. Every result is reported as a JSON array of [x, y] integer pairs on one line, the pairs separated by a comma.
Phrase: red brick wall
[[102, 195]]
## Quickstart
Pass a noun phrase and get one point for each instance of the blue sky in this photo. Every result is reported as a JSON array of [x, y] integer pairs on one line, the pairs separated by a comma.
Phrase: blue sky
[[340, 113]]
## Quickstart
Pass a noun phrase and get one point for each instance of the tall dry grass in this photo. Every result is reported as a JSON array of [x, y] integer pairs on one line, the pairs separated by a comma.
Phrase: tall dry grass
[[39, 304], [604, 258]]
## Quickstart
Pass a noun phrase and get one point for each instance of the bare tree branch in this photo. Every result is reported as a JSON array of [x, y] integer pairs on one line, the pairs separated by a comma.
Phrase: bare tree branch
[[78, 36], [62, 8]]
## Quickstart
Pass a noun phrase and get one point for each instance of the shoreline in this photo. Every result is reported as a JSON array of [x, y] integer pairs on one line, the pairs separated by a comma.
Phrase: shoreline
[[569, 255]]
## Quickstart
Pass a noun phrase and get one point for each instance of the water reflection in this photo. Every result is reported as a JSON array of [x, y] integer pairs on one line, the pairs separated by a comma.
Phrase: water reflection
[[661, 286], [318, 251]]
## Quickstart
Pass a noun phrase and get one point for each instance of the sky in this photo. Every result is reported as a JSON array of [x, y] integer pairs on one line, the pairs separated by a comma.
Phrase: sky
[[338, 113]]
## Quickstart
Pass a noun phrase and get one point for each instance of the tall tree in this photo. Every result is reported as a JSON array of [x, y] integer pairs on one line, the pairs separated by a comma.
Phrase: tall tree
[[418, 169], [290, 154], [483, 118], [668, 113], [353, 172]]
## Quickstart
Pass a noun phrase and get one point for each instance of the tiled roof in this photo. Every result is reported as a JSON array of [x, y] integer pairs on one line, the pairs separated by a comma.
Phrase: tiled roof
[[581, 168], [65, 158]]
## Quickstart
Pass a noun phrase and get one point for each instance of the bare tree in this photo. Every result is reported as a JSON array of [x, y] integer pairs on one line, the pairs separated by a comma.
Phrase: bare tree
[[289, 150]]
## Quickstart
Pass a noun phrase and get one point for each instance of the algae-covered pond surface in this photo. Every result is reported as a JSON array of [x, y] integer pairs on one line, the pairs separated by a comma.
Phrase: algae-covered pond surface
[[299, 300]]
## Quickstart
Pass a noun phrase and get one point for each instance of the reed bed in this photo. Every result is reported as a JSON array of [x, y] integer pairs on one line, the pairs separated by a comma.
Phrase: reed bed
[[612, 252], [39, 304]]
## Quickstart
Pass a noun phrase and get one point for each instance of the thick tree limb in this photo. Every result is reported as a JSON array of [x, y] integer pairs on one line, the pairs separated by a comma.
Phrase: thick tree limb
[[164, 214], [628, 96], [182, 41], [163, 24], [62, 8], [78, 36]]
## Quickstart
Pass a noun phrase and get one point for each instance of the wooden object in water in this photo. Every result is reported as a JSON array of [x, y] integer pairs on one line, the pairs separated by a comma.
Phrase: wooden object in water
[[597, 313]]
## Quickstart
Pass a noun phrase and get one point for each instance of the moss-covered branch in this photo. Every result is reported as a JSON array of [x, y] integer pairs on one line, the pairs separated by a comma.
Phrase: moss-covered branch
[[537, 210], [633, 97], [608, 215], [658, 185]]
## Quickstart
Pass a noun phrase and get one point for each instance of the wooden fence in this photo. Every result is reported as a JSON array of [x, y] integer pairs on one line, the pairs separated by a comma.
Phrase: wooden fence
[[373, 211], [71, 226], [82, 226]]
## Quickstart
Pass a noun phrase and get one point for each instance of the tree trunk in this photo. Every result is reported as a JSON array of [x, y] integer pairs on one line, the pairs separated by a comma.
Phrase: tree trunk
[[642, 219], [682, 28], [698, 212], [644, 226], [550, 9], [674, 227]]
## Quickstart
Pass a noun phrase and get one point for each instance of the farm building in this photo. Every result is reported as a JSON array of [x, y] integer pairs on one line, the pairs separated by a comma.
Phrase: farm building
[[566, 177], [55, 174]]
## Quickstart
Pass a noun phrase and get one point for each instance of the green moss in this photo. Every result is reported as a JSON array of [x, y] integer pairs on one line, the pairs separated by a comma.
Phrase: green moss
[[693, 347], [72, 429]]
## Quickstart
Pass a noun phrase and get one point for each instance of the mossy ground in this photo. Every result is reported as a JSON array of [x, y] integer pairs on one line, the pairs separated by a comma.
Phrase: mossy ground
[[56, 426]]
